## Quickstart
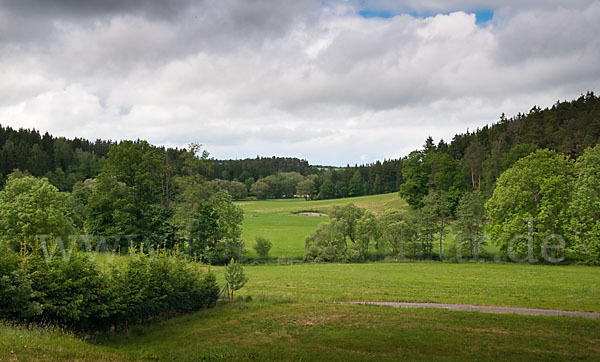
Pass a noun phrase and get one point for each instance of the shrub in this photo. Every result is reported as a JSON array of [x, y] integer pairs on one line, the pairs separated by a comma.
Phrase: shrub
[[16, 292], [235, 277], [262, 247], [73, 292]]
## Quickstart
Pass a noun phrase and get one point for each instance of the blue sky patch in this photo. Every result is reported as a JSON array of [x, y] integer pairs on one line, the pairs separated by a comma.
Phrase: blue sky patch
[[481, 16], [484, 16], [386, 14]]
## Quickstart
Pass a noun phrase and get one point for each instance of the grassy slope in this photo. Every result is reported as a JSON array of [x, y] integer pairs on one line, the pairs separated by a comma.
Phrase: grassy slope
[[292, 317], [22, 344], [276, 220]]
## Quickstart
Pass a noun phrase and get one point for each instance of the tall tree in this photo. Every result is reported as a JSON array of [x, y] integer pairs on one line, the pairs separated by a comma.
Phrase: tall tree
[[470, 220], [397, 232], [327, 190], [473, 160], [416, 175], [29, 207], [429, 145], [529, 206], [357, 185], [437, 203], [585, 207], [306, 188], [366, 233], [349, 215]]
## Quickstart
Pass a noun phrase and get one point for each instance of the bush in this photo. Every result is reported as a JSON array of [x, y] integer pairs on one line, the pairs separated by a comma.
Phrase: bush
[[16, 292], [262, 247], [73, 292]]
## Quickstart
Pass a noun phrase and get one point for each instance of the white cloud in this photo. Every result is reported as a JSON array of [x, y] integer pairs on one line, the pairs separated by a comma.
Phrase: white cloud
[[298, 79]]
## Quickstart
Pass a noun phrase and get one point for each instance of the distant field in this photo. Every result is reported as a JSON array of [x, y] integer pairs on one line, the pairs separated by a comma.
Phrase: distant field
[[278, 221], [292, 317]]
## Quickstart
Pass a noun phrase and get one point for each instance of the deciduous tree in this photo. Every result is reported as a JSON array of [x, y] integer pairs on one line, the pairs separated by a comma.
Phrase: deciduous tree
[[529, 207]]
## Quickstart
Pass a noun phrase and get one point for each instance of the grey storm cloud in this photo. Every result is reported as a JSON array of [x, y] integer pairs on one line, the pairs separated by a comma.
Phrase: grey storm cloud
[[94, 8], [307, 78]]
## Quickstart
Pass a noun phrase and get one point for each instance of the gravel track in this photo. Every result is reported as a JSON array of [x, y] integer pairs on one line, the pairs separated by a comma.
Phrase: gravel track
[[485, 309]]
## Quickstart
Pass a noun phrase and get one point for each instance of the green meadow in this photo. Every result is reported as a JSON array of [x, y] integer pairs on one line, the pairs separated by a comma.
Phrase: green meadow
[[289, 313], [282, 223]]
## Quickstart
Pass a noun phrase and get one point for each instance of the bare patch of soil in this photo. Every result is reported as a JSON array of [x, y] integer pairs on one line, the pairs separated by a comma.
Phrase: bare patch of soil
[[486, 309], [311, 214]]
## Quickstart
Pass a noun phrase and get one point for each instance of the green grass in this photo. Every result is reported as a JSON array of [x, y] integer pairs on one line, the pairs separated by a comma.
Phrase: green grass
[[278, 221], [22, 344], [300, 331], [293, 317], [520, 285]]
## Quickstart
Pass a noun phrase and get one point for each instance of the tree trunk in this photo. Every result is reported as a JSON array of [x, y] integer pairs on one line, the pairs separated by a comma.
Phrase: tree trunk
[[441, 237], [166, 179]]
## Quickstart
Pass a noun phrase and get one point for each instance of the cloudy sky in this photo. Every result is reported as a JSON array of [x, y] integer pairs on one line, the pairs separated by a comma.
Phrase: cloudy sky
[[333, 82]]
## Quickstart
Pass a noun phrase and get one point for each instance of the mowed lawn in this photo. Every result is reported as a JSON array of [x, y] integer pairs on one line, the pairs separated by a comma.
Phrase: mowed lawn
[[279, 221], [292, 316]]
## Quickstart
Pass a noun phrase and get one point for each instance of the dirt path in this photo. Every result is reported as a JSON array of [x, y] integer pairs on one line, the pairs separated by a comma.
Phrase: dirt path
[[486, 309]]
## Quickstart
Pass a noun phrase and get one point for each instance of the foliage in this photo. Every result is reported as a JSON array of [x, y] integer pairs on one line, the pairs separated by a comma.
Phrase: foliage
[[327, 243], [237, 190], [584, 209], [17, 297], [470, 221], [357, 186], [262, 247], [306, 188], [110, 208], [69, 290], [416, 175], [327, 190], [516, 153], [529, 207], [234, 277], [348, 215], [437, 204], [398, 234], [30, 206], [367, 232], [216, 230]]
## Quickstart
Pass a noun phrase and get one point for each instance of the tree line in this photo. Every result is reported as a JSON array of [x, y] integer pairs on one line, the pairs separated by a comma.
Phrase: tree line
[[543, 209], [66, 162], [453, 182]]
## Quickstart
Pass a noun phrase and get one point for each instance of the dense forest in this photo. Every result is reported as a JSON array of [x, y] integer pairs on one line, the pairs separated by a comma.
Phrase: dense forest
[[65, 162]]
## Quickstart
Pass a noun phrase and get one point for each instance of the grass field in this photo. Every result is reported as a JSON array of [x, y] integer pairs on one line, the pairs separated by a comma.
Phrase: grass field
[[519, 285], [292, 317], [279, 221]]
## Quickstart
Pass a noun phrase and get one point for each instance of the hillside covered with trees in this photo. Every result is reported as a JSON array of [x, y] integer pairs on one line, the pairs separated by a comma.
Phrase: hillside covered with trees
[[173, 197]]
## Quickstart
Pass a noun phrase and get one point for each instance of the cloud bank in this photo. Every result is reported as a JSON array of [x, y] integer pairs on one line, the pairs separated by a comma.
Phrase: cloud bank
[[306, 78]]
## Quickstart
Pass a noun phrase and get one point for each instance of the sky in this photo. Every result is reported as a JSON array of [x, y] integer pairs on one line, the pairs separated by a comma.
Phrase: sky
[[332, 82]]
